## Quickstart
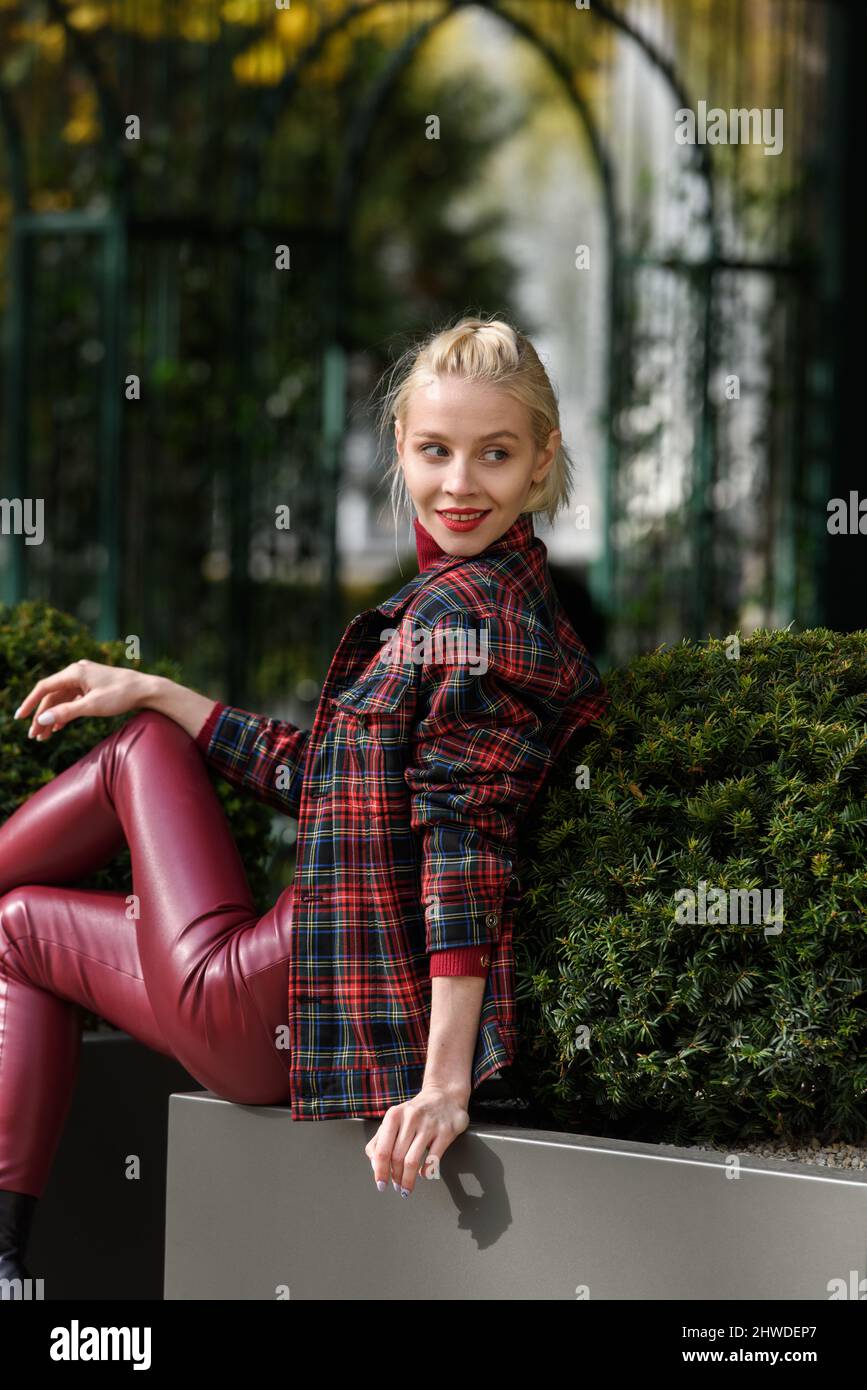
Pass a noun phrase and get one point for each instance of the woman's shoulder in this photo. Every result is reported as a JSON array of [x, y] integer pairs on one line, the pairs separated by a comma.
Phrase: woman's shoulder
[[515, 616], [499, 586]]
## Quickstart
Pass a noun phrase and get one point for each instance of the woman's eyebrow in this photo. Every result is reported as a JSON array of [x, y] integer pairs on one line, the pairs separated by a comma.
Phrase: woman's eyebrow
[[495, 434]]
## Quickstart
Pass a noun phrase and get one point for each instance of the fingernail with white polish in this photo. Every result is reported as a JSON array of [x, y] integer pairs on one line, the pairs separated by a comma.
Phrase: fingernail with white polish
[[46, 717], [380, 1184], [17, 712], [404, 1192]]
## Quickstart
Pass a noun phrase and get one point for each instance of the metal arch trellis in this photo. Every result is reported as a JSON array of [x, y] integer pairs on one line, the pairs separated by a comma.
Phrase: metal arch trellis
[[350, 177], [350, 174], [272, 106]]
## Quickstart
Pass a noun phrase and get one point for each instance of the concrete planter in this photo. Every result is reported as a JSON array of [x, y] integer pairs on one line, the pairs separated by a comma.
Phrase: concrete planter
[[261, 1207], [98, 1234]]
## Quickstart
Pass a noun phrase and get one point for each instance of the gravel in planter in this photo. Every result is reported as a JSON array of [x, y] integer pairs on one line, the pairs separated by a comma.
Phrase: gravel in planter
[[812, 1151]]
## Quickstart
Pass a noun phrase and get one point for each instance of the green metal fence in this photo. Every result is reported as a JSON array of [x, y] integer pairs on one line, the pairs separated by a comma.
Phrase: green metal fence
[[168, 387]]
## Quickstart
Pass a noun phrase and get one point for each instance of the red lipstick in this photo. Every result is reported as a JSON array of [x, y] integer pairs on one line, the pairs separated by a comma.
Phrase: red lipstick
[[462, 518]]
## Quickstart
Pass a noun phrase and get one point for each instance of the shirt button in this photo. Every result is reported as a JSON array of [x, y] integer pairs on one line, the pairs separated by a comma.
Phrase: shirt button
[[491, 919]]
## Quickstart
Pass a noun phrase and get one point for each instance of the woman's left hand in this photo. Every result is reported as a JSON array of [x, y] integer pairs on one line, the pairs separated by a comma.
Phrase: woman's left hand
[[426, 1124]]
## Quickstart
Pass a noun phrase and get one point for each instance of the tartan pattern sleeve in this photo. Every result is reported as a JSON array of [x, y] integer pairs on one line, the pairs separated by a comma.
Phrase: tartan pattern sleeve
[[485, 738], [264, 757]]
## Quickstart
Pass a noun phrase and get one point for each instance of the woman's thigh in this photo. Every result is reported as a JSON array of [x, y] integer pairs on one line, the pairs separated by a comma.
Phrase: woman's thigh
[[188, 936], [81, 945]]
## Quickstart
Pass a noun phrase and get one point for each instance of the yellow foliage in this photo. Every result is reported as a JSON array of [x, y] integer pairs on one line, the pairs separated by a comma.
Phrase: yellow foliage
[[198, 23], [389, 23], [296, 26], [49, 38], [247, 12], [87, 17], [146, 18], [261, 66], [330, 67], [82, 127]]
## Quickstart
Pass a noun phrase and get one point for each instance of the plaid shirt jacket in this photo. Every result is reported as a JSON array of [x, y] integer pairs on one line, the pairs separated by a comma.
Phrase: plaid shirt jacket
[[442, 712]]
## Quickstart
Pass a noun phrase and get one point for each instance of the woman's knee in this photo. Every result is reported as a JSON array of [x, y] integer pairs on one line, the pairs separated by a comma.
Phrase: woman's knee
[[14, 919], [146, 730], [152, 720], [254, 1094]]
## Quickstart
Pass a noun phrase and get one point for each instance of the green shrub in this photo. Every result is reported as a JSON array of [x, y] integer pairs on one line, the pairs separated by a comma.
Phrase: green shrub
[[37, 640], [748, 773]]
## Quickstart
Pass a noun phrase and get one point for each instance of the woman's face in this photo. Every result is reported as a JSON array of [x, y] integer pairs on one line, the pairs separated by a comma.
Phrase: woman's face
[[469, 461]]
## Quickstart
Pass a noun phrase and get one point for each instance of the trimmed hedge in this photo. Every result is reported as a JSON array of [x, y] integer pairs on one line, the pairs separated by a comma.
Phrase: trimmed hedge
[[37, 640], [745, 773]]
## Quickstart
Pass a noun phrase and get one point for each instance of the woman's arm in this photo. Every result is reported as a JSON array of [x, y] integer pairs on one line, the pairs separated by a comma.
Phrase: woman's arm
[[414, 1136], [456, 1005], [263, 757], [185, 706]]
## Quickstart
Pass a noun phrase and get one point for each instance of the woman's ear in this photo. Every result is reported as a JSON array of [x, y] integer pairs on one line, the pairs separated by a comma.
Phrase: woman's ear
[[546, 456]]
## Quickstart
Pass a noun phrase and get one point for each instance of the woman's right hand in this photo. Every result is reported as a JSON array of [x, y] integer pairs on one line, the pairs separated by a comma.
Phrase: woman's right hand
[[86, 688]]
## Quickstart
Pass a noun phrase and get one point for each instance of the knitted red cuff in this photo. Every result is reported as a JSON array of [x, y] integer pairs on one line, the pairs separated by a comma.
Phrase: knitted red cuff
[[203, 737], [463, 960]]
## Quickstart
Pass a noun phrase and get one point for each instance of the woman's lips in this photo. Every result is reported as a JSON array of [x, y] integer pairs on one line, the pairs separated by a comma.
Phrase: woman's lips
[[468, 524]]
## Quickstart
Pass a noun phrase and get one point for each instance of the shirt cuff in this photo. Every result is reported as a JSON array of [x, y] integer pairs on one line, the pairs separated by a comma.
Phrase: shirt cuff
[[203, 737], [461, 960]]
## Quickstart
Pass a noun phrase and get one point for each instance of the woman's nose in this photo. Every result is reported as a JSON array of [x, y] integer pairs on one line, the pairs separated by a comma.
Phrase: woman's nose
[[459, 482]]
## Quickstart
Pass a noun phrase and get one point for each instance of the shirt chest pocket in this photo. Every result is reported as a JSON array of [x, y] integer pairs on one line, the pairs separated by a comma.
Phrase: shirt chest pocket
[[382, 692], [372, 721]]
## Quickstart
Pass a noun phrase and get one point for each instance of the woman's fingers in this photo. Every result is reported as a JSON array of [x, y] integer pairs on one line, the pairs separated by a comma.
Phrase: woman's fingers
[[40, 728], [379, 1148], [56, 716], [414, 1161], [408, 1145], [61, 682], [408, 1149]]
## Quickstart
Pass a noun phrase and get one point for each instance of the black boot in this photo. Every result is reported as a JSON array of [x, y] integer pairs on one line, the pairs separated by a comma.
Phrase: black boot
[[17, 1210]]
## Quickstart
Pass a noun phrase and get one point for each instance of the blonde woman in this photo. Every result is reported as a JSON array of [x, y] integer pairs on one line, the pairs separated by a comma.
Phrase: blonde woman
[[381, 983]]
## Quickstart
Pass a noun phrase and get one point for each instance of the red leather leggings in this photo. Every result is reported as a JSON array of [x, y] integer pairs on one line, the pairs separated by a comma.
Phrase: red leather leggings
[[195, 975]]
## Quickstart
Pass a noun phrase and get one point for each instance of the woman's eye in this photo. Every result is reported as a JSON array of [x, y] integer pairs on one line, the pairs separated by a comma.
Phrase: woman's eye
[[503, 452]]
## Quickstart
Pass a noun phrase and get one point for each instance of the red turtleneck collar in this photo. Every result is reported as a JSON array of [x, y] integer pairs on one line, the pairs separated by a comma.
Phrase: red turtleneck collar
[[428, 551]]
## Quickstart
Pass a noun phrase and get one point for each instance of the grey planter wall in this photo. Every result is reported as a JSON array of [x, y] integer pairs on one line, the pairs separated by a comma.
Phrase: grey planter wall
[[97, 1233], [262, 1207]]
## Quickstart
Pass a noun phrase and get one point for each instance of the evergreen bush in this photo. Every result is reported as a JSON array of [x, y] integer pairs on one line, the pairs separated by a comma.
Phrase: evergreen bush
[[747, 773]]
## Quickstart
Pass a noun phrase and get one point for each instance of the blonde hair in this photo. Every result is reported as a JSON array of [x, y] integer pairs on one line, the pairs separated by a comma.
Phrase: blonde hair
[[489, 351]]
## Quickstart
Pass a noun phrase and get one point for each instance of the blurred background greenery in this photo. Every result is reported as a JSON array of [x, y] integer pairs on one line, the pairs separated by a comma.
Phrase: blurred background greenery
[[169, 382]]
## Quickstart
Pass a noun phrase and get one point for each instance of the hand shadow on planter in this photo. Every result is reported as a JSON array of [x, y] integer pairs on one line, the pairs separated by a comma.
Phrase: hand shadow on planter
[[486, 1214]]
